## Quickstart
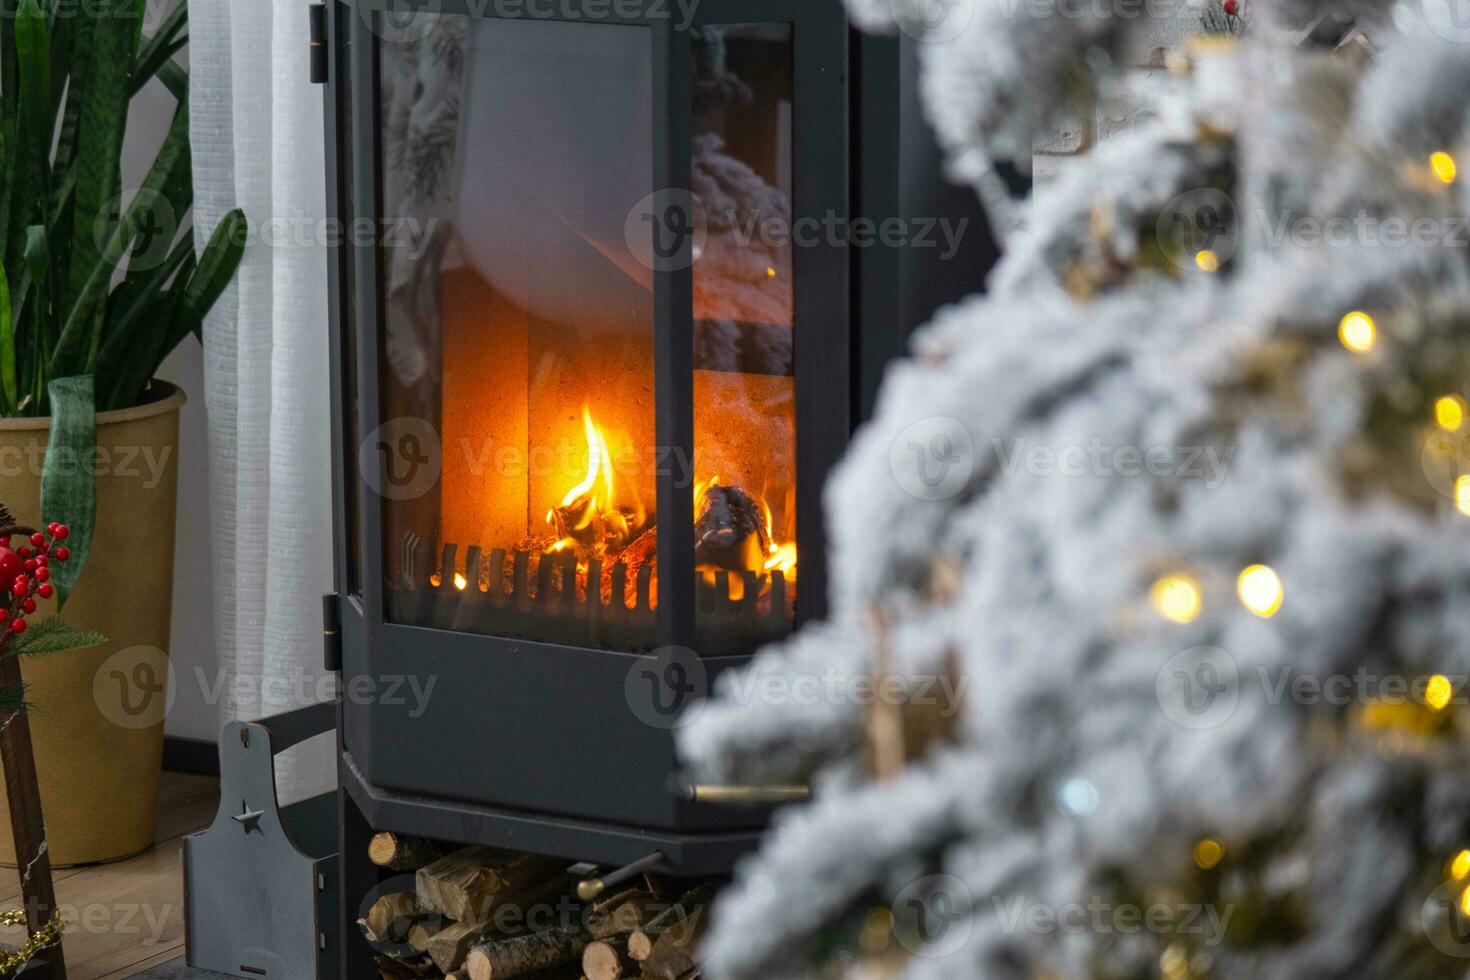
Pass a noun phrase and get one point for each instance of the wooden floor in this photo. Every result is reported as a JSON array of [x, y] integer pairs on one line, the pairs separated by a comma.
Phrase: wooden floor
[[125, 917]]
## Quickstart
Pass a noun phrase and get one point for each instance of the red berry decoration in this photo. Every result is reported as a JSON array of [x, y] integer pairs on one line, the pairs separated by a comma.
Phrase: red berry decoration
[[42, 574], [43, 590], [17, 626], [11, 565], [4, 615], [20, 587], [61, 532], [1232, 7], [30, 565], [61, 554], [29, 605], [23, 551]]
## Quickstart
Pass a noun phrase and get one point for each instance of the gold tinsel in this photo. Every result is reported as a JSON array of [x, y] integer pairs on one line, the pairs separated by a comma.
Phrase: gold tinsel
[[43, 938]]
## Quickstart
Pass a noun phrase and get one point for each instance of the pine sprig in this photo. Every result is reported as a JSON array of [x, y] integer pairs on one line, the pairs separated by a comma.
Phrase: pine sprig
[[12, 699], [52, 635]]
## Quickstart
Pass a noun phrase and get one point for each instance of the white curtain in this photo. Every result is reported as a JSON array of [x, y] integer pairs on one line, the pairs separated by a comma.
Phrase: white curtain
[[256, 123]]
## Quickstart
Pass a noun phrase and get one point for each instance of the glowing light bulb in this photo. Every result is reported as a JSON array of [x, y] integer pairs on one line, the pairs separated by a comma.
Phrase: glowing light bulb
[[1208, 852], [1462, 494], [1207, 260], [1356, 331], [1449, 412], [1260, 591], [1176, 598], [1460, 866], [1438, 691], [460, 582], [770, 272], [1443, 166], [1465, 903]]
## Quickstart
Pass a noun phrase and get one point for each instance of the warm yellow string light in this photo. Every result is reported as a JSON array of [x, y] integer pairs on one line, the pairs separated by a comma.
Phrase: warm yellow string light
[[1208, 853], [1207, 260], [1443, 166], [1176, 598], [1449, 412], [1462, 494], [1460, 866], [1260, 590], [1357, 331], [1438, 691]]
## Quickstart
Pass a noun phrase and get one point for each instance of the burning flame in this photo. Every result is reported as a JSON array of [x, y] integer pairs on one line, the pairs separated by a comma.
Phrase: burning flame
[[587, 517], [779, 555]]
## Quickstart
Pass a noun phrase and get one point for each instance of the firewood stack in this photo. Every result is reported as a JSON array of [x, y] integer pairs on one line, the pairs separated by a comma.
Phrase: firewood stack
[[481, 913]]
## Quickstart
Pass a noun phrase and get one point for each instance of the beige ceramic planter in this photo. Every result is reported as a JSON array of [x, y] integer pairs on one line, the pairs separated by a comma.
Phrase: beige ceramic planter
[[97, 715]]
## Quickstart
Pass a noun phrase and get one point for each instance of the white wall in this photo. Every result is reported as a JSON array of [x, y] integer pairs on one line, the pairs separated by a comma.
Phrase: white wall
[[191, 644]]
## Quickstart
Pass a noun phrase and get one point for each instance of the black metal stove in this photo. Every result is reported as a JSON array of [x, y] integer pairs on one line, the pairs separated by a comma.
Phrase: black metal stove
[[596, 346]]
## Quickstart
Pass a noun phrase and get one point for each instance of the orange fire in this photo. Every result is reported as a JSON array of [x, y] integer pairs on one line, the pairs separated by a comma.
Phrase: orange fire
[[588, 518], [778, 555]]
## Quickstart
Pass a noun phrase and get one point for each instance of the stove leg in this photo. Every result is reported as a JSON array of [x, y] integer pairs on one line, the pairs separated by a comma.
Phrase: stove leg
[[358, 877]]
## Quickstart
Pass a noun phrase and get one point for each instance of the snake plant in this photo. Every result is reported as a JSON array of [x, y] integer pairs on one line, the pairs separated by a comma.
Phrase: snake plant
[[97, 285]]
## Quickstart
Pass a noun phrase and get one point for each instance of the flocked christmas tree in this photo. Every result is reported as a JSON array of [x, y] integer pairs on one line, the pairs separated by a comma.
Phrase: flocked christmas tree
[[1167, 537]]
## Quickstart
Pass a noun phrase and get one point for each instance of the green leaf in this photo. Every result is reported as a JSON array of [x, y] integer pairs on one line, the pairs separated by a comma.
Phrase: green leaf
[[141, 325], [81, 333], [105, 45], [31, 148], [37, 255], [154, 214], [9, 114], [68, 486], [217, 267], [175, 79], [163, 45], [53, 635], [7, 346]]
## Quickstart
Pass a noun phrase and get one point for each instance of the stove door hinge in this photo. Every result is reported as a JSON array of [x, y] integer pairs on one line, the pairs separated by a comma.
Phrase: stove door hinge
[[318, 15], [332, 632]]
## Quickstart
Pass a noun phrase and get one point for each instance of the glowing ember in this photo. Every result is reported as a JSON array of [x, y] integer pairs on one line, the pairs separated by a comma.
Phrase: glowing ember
[[736, 533]]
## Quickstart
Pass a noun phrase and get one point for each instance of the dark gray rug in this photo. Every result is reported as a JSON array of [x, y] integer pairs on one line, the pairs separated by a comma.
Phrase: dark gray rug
[[177, 970]]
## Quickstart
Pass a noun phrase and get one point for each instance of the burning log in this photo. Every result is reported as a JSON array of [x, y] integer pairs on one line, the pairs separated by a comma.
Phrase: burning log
[[730, 531]]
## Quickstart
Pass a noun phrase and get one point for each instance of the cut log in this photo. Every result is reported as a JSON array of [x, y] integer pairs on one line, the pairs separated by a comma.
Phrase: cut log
[[399, 852], [419, 934], [390, 968], [607, 959], [467, 884], [525, 954], [623, 913], [392, 915], [691, 906], [367, 932], [449, 946], [676, 953]]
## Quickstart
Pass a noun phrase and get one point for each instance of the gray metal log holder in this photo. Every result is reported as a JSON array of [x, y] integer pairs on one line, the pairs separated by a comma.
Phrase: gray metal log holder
[[261, 884]]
